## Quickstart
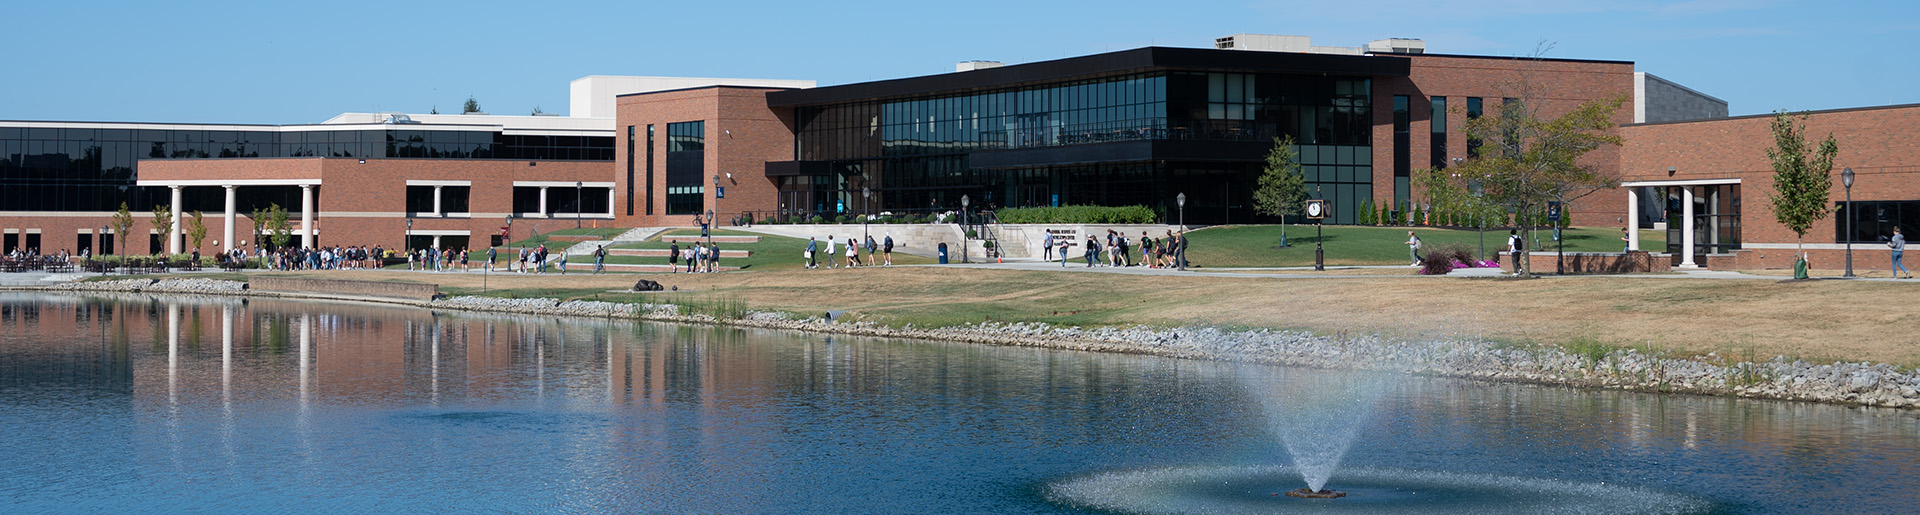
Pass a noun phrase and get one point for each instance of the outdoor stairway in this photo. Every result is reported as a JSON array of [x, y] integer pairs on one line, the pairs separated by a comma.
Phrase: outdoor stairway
[[724, 253], [695, 238]]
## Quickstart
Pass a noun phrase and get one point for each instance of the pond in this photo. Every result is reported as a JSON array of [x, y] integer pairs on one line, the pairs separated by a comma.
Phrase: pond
[[195, 404]]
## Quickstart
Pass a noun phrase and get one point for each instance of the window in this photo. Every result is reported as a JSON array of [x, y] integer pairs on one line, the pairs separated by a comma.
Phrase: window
[[649, 169], [686, 167], [1402, 151], [630, 135], [1473, 112], [1438, 122], [1873, 221], [420, 199]]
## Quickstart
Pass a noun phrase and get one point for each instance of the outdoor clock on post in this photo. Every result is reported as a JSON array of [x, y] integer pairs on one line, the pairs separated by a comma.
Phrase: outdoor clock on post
[[1316, 209]]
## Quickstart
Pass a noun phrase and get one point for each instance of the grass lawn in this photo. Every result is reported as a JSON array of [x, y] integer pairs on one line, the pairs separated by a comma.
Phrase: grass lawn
[[771, 253], [1255, 245], [1733, 318]]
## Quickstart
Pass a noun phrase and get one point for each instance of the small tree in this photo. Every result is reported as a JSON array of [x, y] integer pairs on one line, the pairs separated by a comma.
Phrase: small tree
[[1800, 184], [163, 222], [122, 222], [197, 229], [259, 219], [1282, 187], [473, 106], [277, 225], [1539, 158]]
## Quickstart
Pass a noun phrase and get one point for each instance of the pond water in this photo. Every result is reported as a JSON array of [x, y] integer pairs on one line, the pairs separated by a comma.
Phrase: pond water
[[182, 404]]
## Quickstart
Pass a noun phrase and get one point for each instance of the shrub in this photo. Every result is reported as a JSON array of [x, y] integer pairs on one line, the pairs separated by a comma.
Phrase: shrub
[[1079, 215], [840, 219], [1442, 258], [1365, 215], [817, 220]]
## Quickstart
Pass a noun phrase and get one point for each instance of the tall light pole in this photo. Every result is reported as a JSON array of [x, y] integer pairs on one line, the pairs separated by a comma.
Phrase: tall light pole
[[578, 211], [866, 206], [963, 229], [1846, 179], [1181, 200]]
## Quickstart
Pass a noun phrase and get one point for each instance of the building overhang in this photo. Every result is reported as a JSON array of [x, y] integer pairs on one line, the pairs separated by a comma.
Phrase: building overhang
[[1099, 65], [1122, 152]]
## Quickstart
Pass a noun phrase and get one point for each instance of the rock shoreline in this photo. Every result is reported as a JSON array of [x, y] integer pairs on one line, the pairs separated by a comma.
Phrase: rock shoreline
[[1868, 384]]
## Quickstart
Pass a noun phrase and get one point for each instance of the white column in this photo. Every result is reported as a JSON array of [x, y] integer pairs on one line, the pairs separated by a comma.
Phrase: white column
[[1633, 218], [609, 202], [306, 215], [437, 210], [173, 236], [228, 233], [1686, 228], [436, 241], [543, 201]]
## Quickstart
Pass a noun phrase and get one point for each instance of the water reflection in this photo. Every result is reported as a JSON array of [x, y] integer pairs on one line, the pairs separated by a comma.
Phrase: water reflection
[[355, 408]]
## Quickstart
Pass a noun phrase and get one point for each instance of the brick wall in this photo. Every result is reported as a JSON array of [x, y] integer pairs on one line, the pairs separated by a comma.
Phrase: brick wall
[[1556, 87], [358, 204], [742, 135], [1879, 144]]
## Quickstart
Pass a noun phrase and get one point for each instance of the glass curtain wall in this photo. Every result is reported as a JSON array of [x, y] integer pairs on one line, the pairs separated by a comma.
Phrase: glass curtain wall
[[1874, 220], [1716, 218], [913, 153]]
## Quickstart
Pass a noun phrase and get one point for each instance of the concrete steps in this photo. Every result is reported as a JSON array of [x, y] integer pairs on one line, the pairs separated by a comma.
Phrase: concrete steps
[[683, 238], [574, 266], [724, 253]]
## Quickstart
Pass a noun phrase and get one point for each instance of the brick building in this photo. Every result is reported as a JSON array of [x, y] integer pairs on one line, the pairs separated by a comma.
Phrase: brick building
[[1709, 180]]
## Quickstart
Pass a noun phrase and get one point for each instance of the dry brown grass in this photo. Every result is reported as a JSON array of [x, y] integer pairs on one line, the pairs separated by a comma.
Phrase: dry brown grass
[[1822, 320]]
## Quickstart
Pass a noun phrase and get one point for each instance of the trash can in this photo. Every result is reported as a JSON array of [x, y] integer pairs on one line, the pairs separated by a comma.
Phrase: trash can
[[943, 253]]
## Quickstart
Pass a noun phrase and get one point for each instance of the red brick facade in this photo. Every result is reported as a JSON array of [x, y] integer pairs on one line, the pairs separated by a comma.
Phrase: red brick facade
[[358, 204], [1557, 86], [1880, 144], [742, 135]]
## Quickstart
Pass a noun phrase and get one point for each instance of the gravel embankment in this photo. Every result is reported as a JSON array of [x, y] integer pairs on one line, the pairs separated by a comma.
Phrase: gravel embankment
[[1856, 383]]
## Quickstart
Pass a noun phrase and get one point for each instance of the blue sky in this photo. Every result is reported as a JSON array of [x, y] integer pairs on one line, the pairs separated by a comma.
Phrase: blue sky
[[303, 62]]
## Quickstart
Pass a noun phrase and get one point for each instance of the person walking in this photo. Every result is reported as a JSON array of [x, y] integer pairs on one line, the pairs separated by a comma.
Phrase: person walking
[[887, 248], [853, 253], [1626, 243], [673, 258], [1514, 244], [1899, 246], [1046, 246], [1126, 256], [1093, 250], [813, 245], [1064, 243], [491, 254], [1179, 248], [600, 259], [713, 257], [1413, 247], [832, 247]]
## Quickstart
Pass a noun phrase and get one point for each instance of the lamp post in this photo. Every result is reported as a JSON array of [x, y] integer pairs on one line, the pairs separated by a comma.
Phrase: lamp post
[[866, 206], [1846, 179], [709, 231], [1319, 251], [406, 241], [102, 244], [963, 229], [578, 211], [1181, 200]]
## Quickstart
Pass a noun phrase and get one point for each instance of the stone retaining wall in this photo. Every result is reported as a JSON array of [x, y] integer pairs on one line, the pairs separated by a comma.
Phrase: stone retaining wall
[[415, 291]]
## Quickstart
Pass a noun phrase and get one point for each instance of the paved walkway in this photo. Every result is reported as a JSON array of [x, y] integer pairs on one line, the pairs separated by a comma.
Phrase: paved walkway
[[1307, 272]]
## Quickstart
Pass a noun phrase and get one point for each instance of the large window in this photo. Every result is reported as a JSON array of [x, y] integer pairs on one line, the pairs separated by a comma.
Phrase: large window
[[1438, 123], [630, 164], [686, 167], [649, 169], [1873, 221], [1474, 106], [1402, 151], [1716, 218]]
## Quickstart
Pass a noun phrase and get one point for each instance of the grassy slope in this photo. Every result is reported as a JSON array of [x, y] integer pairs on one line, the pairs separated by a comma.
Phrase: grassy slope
[[771, 253], [1254, 245]]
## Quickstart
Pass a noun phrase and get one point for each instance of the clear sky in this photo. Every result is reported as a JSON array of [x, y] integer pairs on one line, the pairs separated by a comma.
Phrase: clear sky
[[303, 62]]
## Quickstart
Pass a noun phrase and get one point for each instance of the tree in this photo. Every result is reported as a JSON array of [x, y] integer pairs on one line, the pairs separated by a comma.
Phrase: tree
[[1800, 185], [1538, 159], [122, 222], [473, 106], [163, 222], [1282, 188], [259, 218], [278, 227], [197, 229]]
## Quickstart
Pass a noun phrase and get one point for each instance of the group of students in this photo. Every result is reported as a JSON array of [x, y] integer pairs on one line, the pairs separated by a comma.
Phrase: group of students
[[698, 258], [882, 249], [324, 258], [1166, 252]]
